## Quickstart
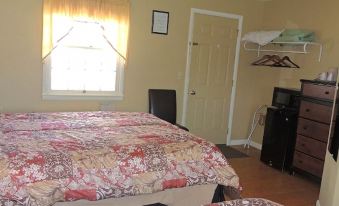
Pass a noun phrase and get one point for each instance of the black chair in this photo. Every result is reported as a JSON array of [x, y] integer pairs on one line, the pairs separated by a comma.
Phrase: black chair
[[163, 104]]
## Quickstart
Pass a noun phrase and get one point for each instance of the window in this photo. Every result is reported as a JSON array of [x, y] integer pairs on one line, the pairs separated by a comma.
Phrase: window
[[83, 55]]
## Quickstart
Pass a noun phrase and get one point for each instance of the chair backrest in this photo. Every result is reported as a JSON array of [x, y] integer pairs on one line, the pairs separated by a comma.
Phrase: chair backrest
[[162, 103]]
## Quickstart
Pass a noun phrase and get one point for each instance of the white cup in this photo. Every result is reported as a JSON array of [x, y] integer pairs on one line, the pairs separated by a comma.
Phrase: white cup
[[330, 76], [333, 73], [323, 76]]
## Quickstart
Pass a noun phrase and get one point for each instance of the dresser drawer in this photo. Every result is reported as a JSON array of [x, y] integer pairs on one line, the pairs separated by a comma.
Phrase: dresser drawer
[[311, 147], [308, 164], [318, 91], [313, 129], [317, 112]]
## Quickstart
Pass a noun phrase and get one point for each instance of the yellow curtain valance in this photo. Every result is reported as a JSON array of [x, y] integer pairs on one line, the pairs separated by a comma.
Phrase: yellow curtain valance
[[112, 14], [95, 9]]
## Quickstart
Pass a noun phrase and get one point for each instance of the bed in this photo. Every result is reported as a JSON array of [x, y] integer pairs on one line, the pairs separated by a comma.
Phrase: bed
[[48, 158]]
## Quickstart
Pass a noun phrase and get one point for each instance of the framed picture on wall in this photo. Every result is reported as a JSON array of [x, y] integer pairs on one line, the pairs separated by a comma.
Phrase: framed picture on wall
[[160, 20]]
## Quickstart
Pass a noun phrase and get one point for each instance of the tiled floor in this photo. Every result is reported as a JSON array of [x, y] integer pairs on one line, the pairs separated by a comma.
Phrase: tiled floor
[[259, 180]]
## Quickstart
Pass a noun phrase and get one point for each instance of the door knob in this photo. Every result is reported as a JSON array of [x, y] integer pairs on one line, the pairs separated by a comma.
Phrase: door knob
[[192, 92]]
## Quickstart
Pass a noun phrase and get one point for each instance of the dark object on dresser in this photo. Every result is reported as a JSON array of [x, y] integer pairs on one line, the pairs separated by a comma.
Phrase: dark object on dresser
[[163, 104], [313, 127], [280, 128]]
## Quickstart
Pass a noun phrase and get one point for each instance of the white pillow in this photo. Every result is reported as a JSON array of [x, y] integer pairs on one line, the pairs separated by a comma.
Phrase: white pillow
[[261, 37]]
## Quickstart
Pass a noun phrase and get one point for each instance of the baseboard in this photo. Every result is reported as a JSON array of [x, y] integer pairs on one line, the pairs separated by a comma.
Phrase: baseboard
[[256, 145], [238, 142], [244, 141], [318, 203]]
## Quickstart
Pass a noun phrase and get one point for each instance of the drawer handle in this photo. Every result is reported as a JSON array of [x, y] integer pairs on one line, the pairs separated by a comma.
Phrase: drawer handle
[[300, 161], [303, 144], [327, 92], [305, 127], [307, 110]]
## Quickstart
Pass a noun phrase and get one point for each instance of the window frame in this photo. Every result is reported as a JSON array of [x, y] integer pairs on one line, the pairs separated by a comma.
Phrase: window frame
[[49, 94]]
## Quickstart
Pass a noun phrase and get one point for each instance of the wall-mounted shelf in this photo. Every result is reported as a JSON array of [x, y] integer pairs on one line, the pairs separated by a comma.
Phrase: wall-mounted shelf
[[300, 47]]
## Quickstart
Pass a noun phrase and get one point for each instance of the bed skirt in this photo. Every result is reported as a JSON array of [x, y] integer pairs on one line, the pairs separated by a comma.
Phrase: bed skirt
[[188, 196]]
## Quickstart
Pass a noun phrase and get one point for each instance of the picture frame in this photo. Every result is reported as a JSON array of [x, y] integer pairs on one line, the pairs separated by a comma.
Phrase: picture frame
[[160, 21]]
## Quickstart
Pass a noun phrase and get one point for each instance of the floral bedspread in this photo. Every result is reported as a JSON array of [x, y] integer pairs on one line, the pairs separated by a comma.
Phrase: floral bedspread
[[50, 157]]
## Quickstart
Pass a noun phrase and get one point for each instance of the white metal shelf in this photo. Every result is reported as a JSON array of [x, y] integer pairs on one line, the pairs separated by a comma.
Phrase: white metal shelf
[[258, 48]]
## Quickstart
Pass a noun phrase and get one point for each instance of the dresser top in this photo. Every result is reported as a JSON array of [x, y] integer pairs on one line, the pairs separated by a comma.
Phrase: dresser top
[[332, 83]]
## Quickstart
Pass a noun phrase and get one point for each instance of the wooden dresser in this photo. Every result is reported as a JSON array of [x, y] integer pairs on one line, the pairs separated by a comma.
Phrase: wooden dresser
[[313, 126]]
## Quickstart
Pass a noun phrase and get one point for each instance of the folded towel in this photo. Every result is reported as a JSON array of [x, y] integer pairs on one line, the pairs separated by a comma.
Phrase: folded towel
[[296, 35], [261, 37]]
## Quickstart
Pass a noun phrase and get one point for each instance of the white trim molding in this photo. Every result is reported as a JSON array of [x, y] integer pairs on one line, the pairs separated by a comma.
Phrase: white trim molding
[[318, 203], [49, 94], [235, 66], [256, 145], [243, 142], [237, 142]]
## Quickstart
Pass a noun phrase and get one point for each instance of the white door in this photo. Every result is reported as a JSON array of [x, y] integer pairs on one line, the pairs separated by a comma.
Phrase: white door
[[211, 71]]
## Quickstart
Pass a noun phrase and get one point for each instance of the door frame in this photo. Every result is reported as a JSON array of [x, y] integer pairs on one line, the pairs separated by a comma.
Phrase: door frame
[[235, 66]]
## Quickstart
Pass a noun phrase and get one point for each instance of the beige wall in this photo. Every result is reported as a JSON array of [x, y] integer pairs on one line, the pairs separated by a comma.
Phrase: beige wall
[[255, 88], [330, 183], [155, 61], [335, 192], [320, 16], [20, 67]]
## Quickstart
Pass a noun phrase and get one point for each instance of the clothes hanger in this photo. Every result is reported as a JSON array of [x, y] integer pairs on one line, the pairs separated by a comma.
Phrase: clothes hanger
[[286, 58], [263, 58], [270, 60], [275, 61]]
